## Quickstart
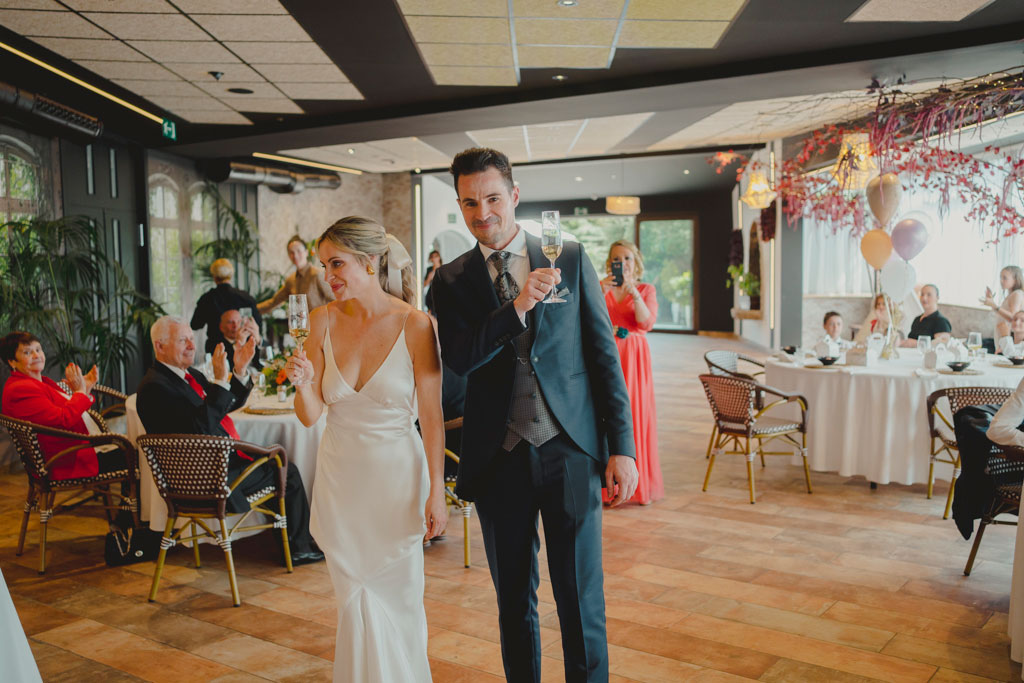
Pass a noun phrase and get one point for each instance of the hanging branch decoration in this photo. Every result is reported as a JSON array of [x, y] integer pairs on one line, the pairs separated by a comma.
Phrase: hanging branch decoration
[[768, 223], [915, 136]]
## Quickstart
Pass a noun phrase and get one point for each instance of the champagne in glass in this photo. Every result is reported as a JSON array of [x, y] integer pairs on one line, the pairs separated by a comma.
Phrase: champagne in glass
[[551, 245], [298, 323], [974, 341]]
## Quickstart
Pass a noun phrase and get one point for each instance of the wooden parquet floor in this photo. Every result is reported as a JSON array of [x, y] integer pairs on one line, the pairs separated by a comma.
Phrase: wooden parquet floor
[[847, 584]]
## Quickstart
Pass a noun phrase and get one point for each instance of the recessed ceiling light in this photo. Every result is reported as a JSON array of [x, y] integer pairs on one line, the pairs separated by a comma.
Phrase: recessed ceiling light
[[568, 3], [613, 176], [351, 151], [579, 179], [559, 77], [241, 91], [686, 171], [416, 170]]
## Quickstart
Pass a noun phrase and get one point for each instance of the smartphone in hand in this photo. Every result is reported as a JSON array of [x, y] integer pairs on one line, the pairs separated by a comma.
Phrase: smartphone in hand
[[617, 273]]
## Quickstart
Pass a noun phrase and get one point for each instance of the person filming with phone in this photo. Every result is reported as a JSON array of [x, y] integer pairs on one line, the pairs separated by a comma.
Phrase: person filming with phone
[[633, 308]]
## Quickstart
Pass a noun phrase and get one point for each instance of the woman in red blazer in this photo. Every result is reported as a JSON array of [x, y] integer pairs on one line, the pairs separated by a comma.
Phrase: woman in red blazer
[[27, 395]]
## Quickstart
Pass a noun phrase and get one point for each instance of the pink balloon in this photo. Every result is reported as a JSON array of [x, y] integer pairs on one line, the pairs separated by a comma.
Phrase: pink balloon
[[909, 237]]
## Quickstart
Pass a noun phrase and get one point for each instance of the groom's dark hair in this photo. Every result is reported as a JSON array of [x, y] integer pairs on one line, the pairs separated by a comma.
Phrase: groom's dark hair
[[478, 160]]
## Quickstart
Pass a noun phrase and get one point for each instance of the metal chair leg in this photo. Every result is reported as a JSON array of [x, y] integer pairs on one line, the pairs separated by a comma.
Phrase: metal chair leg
[[164, 545], [952, 487], [195, 543], [467, 510], [974, 548], [284, 538], [750, 469], [931, 476], [30, 503], [225, 544], [45, 512], [711, 463], [711, 441], [807, 468]]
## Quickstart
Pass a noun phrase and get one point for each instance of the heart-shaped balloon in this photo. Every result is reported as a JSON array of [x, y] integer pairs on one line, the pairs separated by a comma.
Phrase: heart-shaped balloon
[[876, 247], [883, 194], [897, 278], [909, 237]]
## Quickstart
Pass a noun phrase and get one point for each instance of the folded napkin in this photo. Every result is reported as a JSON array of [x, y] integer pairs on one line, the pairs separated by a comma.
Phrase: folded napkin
[[925, 372], [784, 357], [813, 363]]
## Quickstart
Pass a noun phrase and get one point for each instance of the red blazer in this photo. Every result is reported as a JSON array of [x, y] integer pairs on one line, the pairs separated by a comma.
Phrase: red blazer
[[42, 402]]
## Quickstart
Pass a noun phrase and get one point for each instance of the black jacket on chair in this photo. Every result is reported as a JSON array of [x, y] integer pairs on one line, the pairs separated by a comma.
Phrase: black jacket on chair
[[574, 355], [168, 405]]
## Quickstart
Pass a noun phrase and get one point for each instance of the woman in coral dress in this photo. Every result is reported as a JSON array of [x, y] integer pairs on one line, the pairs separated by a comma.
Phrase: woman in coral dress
[[633, 307]]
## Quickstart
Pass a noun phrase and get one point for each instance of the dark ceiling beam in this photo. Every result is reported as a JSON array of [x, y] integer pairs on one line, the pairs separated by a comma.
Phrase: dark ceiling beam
[[660, 125]]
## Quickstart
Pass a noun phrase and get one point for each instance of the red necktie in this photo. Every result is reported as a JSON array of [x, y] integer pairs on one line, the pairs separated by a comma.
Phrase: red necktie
[[227, 423]]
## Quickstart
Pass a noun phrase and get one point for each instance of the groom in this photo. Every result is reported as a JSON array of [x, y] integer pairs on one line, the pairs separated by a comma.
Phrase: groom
[[546, 404]]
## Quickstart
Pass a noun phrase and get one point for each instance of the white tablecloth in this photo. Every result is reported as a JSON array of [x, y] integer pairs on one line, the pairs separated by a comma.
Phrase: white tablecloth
[[18, 662], [872, 421], [299, 442]]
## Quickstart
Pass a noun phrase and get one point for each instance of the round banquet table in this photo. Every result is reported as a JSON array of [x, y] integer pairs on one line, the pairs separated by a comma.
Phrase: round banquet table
[[300, 443], [872, 421]]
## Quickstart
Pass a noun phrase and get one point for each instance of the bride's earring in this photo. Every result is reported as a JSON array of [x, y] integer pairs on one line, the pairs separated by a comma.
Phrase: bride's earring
[[370, 270]]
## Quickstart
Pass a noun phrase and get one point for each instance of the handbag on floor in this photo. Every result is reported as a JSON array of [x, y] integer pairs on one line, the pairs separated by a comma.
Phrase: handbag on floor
[[127, 544]]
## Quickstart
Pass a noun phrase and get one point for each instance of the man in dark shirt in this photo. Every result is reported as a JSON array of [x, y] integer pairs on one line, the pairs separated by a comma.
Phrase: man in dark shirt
[[931, 323], [223, 297]]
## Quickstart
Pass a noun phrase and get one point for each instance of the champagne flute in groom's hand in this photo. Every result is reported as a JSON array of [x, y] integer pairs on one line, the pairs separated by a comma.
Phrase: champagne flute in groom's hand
[[551, 246]]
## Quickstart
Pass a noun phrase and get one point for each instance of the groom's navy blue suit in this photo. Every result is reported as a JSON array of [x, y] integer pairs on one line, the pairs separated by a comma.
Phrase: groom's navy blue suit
[[577, 365]]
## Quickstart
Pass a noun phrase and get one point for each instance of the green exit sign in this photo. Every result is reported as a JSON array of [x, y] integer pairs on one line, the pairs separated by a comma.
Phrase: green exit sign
[[170, 130]]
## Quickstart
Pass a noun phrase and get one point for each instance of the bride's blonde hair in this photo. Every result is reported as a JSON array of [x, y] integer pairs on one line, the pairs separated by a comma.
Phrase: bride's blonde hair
[[364, 237]]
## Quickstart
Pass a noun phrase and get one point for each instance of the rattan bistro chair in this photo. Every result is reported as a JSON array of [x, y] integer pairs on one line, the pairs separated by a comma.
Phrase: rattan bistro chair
[[191, 474], [43, 488], [464, 506], [109, 401], [943, 438], [1006, 467], [738, 421], [727, 363]]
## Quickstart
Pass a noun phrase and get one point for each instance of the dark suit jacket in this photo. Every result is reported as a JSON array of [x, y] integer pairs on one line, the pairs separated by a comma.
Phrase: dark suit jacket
[[168, 405], [213, 303], [573, 352]]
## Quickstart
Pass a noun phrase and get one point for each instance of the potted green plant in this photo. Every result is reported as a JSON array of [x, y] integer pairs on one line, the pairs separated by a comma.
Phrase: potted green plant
[[748, 284]]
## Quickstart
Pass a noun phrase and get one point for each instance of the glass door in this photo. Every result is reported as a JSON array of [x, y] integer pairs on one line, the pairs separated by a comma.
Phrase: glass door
[[667, 247]]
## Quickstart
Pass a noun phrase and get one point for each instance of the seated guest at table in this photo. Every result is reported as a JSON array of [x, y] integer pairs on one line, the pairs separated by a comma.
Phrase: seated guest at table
[[877, 320], [1004, 345], [174, 398], [237, 331], [833, 325], [30, 396], [307, 279], [931, 323], [221, 298], [1011, 279]]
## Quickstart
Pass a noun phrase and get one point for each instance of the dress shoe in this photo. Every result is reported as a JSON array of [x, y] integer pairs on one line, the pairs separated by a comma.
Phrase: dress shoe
[[308, 557]]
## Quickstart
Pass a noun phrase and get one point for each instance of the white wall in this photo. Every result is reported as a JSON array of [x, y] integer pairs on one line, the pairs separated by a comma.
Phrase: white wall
[[441, 215]]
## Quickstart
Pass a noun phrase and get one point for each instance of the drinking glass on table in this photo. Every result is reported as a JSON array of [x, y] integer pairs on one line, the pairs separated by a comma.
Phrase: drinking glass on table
[[974, 342], [298, 324], [924, 343], [551, 246]]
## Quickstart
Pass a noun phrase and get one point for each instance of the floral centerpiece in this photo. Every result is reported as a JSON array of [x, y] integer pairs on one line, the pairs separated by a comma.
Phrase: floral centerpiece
[[274, 376]]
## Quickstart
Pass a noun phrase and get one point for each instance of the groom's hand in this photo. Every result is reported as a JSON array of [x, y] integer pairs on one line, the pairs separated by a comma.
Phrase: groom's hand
[[621, 470], [537, 286]]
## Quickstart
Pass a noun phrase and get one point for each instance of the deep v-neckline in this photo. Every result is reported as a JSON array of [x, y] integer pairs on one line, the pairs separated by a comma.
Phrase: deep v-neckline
[[334, 360]]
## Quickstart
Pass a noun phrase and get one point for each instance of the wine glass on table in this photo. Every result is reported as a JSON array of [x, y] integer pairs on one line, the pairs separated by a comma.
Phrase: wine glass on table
[[974, 342], [924, 343], [551, 245], [298, 324]]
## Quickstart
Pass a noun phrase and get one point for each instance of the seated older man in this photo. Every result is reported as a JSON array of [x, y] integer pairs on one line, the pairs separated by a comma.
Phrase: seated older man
[[237, 331], [175, 398], [931, 323]]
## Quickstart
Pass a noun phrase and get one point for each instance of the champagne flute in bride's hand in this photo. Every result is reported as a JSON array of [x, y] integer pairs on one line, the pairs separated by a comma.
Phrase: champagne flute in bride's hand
[[298, 326], [551, 246]]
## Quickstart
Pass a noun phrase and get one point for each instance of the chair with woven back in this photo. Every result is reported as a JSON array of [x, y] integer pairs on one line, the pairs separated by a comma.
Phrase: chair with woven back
[[739, 421], [940, 427], [464, 506], [191, 474], [43, 488], [727, 363], [1006, 468], [111, 400]]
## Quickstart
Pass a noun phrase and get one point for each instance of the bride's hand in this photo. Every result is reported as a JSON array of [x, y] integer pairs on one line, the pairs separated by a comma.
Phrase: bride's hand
[[436, 514], [299, 369]]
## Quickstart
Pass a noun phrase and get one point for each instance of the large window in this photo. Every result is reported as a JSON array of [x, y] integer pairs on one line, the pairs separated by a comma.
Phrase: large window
[[667, 247], [597, 234], [19, 184]]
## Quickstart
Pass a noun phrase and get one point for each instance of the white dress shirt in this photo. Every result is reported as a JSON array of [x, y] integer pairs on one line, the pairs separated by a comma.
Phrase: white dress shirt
[[518, 264], [1003, 429]]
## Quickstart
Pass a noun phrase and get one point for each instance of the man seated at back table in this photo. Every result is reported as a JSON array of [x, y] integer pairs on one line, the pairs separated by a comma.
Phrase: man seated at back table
[[237, 332], [174, 398], [931, 323]]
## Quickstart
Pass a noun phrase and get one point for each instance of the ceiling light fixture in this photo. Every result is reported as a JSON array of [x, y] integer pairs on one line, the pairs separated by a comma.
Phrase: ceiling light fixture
[[303, 162], [416, 170], [759, 194], [579, 179], [855, 164], [241, 91], [567, 3], [351, 151], [79, 81], [686, 171], [622, 206], [559, 77]]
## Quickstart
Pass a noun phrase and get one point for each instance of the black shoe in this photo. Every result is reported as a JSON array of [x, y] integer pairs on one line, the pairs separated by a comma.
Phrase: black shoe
[[308, 557]]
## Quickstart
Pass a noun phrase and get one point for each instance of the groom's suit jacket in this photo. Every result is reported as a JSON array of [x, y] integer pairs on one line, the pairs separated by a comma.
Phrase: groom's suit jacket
[[574, 355]]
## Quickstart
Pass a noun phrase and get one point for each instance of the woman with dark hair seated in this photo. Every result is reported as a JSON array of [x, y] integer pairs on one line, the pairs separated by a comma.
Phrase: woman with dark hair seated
[[28, 395]]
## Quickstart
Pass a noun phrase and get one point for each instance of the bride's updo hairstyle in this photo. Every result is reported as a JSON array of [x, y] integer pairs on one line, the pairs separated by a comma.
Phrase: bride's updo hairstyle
[[365, 237]]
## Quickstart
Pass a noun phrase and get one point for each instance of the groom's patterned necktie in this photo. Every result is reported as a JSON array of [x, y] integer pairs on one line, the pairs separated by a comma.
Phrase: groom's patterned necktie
[[529, 417]]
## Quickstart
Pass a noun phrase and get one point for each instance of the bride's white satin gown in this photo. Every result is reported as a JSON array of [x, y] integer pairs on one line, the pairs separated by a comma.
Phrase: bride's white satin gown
[[368, 498]]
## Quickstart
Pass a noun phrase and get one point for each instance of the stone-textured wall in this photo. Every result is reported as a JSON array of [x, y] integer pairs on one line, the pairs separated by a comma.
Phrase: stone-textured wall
[[396, 200], [854, 310], [311, 212]]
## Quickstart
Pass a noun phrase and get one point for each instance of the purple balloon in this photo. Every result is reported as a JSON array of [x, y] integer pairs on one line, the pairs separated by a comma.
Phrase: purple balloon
[[909, 237]]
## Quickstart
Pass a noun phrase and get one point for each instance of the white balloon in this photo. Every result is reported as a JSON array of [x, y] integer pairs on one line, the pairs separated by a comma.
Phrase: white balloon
[[897, 278]]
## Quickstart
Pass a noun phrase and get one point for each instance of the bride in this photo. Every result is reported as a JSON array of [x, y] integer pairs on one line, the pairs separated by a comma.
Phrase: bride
[[379, 487]]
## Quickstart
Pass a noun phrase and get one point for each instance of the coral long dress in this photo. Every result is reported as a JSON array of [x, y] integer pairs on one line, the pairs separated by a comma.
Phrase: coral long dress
[[635, 356]]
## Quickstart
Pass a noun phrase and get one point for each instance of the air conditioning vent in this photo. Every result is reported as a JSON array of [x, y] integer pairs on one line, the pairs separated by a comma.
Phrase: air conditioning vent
[[44, 108]]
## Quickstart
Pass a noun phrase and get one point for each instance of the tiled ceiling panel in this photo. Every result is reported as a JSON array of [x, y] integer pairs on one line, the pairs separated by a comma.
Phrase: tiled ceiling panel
[[455, 8], [565, 31], [549, 57], [917, 10], [672, 34], [472, 54], [589, 9], [188, 63], [433, 29], [380, 156], [684, 10]]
